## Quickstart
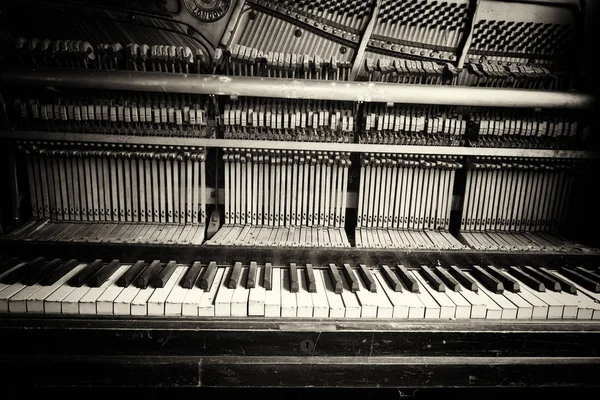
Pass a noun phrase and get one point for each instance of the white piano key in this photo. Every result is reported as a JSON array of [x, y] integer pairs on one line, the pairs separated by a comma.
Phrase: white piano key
[[524, 309], [539, 308], [303, 296], [555, 308], [70, 304], [354, 309], [239, 300], [192, 298], [256, 298], [493, 310], [87, 304], [18, 302], [53, 303], [399, 303], [7, 293], [447, 307], [224, 295], [569, 302], [587, 299], [288, 299], [335, 303], [156, 302], [139, 304], [273, 296], [206, 307], [478, 306], [432, 308], [319, 298], [174, 302], [5, 285], [463, 307], [385, 309], [509, 310], [106, 302], [122, 304], [35, 302]]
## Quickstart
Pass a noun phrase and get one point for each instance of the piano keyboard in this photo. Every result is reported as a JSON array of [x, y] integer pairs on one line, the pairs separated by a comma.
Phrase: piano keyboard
[[387, 291]]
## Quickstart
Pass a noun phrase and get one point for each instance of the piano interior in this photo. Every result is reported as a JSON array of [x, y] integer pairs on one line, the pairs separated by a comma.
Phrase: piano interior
[[375, 193]]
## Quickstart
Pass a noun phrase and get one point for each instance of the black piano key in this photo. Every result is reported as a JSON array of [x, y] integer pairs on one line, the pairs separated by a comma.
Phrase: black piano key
[[581, 279], [487, 280], [59, 272], [8, 264], [268, 278], [463, 279], [336, 280], [509, 283], [527, 279], [144, 279], [391, 278], [432, 279], [548, 280], [367, 277], [41, 272], [208, 276], [104, 273], [191, 276], [351, 277], [22, 272], [448, 279], [407, 279], [590, 274], [82, 276], [234, 277], [164, 274], [132, 273], [564, 285], [294, 285], [251, 281], [310, 279]]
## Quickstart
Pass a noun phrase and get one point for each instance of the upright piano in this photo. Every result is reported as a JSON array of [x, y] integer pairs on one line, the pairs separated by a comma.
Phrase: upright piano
[[344, 193]]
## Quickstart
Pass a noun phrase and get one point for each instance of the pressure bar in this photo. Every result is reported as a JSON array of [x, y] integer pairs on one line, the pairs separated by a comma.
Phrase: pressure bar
[[297, 89], [70, 137]]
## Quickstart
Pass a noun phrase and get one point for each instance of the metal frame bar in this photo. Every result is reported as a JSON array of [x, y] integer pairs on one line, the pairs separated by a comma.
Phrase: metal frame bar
[[311, 146], [298, 89]]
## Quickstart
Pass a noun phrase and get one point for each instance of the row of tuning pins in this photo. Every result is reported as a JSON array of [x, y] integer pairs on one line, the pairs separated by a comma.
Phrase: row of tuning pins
[[246, 61], [180, 115], [413, 126], [113, 56], [319, 121], [504, 128], [397, 70]]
